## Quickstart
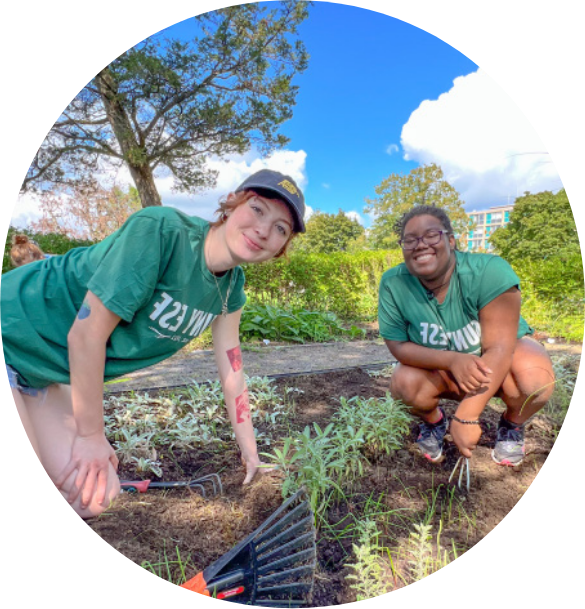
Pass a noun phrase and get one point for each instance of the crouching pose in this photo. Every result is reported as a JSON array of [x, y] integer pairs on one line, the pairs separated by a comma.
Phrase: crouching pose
[[96, 313], [452, 320]]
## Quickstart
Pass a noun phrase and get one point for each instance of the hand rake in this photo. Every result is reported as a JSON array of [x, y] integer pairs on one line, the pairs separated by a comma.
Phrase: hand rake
[[272, 567], [464, 463], [212, 480]]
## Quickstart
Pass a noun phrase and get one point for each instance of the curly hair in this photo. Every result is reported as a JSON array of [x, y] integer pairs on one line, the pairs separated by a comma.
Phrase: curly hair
[[423, 210]]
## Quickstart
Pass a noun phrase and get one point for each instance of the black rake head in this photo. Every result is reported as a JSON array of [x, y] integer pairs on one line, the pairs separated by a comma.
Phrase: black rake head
[[275, 565]]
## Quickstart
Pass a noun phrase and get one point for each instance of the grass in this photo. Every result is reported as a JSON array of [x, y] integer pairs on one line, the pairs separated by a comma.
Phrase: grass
[[566, 368], [170, 569]]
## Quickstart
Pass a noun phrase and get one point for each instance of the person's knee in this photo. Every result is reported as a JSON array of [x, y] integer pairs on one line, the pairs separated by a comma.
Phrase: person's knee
[[399, 385], [532, 378], [536, 385], [93, 508], [407, 385]]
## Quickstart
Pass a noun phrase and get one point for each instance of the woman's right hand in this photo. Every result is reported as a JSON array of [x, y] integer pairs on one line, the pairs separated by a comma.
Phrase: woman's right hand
[[470, 372], [91, 457]]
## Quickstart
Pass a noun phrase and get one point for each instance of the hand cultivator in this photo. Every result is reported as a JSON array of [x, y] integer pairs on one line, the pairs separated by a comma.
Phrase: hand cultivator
[[272, 567], [212, 481], [464, 466]]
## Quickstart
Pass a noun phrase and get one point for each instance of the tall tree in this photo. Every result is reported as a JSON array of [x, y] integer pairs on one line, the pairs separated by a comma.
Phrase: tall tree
[[541, 226], [399, 192], [328, 233], [166, 106]]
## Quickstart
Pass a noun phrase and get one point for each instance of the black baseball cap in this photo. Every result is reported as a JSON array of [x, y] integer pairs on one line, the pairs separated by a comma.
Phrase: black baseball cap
[[284, 187]]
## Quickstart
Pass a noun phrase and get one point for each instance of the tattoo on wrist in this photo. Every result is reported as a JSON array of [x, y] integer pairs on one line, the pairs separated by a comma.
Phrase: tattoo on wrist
[[243, 408], [235, 357]]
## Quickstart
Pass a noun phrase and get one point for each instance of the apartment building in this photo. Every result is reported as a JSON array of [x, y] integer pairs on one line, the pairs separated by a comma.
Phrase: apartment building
[[486, 222]]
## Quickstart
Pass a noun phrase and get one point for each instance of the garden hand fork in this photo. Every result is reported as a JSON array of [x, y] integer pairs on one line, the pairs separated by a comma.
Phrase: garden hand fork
[[212, 481], [464, 462]]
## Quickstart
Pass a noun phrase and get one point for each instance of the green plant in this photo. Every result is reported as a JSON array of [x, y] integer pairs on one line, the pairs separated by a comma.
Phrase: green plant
[[326, 461], [346, 283], [423, 559], [173, 571], [384, 422], [369, 573], [140, 425], [565, 368], [313, 462], [421, 550], [264, 321]]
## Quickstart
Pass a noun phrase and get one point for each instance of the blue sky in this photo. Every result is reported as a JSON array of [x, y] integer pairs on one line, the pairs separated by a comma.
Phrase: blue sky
[[381, 96]]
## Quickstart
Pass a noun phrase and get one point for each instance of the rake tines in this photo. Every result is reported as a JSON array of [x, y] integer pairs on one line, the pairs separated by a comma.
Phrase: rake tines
[[285, 559]]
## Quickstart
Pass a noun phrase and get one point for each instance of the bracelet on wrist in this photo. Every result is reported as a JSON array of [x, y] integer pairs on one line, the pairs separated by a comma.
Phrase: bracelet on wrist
[[466, 421]]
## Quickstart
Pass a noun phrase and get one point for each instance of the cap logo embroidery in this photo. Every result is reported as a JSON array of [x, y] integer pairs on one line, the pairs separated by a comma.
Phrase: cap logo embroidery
[[289, 187]]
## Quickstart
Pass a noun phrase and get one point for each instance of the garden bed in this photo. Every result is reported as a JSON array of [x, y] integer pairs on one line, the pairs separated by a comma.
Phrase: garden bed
[[177, 533]]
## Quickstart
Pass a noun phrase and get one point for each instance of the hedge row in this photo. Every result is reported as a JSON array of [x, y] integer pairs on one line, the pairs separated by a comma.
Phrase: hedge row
[[50, 243], [347, 284]]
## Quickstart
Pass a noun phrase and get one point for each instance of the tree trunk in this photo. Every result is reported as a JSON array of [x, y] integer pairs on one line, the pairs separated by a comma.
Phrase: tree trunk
[[145, 185], [134, 153]]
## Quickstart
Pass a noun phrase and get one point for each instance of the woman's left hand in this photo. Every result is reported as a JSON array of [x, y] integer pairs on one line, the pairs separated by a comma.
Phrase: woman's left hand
[[466, 437]]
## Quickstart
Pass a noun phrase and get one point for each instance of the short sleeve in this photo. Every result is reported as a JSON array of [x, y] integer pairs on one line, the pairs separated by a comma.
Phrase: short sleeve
[[497, 277], [128, 265], [392, 325]]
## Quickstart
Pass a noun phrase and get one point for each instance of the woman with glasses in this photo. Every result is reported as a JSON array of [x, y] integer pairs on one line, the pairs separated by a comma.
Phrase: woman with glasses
[[452, 320]]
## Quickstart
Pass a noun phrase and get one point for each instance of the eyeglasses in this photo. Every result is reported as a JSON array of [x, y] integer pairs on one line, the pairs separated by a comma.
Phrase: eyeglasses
[[431, 237]]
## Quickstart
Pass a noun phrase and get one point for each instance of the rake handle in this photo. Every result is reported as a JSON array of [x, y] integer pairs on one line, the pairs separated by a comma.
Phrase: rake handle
[[143, 485], [197, 584], [140, 485]]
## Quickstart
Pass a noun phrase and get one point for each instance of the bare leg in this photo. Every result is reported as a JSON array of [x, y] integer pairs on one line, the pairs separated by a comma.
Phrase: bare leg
[[525, 390], [51, 428], [530, 382], [23, 413], [422, 389]]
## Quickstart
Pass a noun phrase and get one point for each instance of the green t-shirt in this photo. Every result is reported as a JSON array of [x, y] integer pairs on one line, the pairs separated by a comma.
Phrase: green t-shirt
[[407, 314], [151, 272]]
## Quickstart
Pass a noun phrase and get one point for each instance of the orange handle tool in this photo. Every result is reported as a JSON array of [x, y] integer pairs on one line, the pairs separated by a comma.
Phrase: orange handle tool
[[197, 584]]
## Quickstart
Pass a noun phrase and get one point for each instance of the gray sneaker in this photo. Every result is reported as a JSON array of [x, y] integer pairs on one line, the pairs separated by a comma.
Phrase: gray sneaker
[[430, 439], [509, 448]]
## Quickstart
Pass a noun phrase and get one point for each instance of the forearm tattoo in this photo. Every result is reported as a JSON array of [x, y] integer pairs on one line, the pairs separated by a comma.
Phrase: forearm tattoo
[[235, 357], [243, 407]]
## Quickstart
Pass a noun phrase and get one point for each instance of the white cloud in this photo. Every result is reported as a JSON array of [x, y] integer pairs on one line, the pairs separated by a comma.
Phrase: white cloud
[[486, 147], [232, 171], [25, 211], [326, 186], [392, 148], [354, 215]]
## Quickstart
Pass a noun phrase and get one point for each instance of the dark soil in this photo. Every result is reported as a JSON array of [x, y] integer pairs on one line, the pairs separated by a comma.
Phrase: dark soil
[[147, 527]]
